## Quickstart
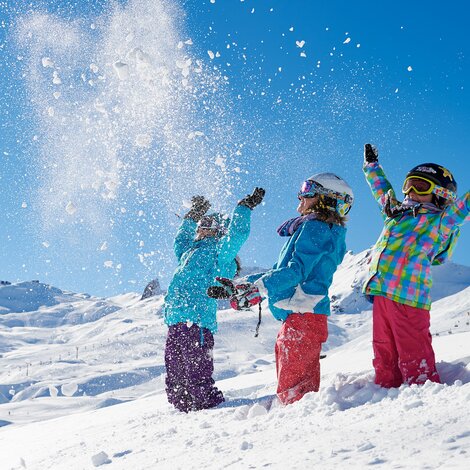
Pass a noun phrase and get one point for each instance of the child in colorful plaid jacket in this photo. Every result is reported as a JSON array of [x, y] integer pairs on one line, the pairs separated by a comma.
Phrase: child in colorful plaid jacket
[[419, 232]]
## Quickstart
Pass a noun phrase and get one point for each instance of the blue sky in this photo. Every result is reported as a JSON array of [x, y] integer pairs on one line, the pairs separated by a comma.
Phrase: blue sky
[[297, 88]]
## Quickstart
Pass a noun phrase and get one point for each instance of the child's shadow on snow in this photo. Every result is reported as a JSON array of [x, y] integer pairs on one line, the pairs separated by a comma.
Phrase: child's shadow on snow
[[265, 401], [449, 372]]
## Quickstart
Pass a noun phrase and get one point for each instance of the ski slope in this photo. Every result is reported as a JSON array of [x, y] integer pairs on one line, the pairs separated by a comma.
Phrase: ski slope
[[82, 386]]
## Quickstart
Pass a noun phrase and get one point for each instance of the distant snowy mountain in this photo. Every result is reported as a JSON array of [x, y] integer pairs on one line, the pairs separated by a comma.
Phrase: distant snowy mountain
[[248, 270], [35, 304], [30, 296], [97, 366]]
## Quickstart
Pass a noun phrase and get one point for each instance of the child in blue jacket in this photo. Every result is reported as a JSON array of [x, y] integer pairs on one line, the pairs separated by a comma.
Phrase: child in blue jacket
[[297, 286], [206, 247]]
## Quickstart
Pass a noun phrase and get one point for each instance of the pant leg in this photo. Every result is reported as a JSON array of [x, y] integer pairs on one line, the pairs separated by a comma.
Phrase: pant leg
[[414, 344], [385, 362], [297, 352], [200, 367], [189, 364], [176, 377]]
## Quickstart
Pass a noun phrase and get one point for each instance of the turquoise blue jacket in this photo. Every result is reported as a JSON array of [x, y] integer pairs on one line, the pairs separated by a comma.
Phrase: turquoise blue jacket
[[199, 262], [300, 279]]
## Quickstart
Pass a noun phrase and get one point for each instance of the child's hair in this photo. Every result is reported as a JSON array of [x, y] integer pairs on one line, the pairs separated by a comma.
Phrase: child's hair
[[324, 214], [440, 202], [239, 265]]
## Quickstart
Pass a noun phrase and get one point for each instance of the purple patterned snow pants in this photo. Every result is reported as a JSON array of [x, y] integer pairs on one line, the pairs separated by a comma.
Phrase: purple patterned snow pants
[[189, 368]]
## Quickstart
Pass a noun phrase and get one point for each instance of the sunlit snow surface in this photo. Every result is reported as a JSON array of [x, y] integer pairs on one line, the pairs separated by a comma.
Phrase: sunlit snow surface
[[96, 366]]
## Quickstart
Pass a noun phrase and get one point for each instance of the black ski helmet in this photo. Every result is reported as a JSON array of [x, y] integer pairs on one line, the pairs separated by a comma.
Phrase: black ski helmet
[[435, 173]]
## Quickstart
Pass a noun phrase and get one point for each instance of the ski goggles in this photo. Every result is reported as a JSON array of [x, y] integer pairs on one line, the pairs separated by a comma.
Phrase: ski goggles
[[343, 206], [344, 201], [309, 189], [208, 222], [423, 186]]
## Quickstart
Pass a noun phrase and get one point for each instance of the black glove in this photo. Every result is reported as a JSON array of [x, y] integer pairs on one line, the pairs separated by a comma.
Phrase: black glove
[[218, 292], [222, 292], [199, 206], [393, 208], [371, 154], [253, 199]]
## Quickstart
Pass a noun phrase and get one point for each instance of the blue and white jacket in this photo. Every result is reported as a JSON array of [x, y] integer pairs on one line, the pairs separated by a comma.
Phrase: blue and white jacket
[[299, 281]]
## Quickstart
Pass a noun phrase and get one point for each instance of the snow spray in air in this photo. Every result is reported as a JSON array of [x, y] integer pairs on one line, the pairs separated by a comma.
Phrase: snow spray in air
[[127, 118]]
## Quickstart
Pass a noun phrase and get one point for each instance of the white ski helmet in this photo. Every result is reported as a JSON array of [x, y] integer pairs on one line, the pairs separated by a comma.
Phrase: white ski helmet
[[331, 186]]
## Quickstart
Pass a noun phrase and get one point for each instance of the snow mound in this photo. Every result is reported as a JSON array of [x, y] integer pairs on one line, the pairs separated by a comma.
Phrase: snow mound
[[76, 355]]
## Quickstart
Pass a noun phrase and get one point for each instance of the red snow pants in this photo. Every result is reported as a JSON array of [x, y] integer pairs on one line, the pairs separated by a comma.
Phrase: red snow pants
[[402, 344], [297, 349]]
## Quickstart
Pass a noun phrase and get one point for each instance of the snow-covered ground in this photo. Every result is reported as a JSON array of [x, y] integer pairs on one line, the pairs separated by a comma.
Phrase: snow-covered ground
[[82, 385]]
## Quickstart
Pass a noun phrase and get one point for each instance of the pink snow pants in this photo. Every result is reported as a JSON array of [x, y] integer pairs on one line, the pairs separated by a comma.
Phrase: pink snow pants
[[297, 351], [402, 344]]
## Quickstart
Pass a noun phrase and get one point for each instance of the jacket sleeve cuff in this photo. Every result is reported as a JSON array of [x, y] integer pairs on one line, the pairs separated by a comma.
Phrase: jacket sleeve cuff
[[262, 288]]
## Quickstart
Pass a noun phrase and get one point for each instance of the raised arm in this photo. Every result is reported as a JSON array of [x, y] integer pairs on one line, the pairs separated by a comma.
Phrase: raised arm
[[375, 176], [456, 213], [453, 217], [239, 228], [185, 235]]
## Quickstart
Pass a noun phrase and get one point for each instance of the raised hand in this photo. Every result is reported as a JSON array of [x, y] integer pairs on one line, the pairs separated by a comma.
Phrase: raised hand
[[371, 154], [253, 199], [199, 206]]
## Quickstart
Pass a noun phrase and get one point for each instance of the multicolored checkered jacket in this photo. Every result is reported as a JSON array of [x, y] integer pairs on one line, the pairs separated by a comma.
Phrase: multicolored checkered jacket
[[410, 243]]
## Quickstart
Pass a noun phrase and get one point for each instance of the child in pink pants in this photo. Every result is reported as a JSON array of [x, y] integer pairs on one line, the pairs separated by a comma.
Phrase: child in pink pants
[[419, 232]]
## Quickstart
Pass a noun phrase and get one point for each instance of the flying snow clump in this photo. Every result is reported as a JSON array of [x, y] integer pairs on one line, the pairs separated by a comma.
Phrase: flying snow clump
[[70, 208]]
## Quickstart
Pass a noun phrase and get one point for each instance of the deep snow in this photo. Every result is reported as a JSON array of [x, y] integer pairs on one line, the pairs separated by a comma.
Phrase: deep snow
[[82, 385]]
